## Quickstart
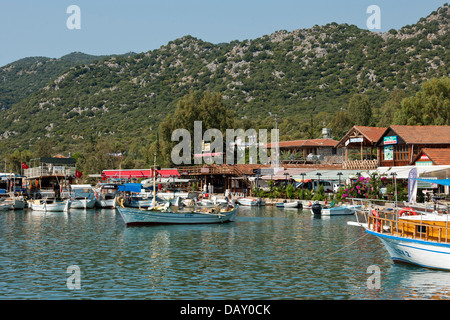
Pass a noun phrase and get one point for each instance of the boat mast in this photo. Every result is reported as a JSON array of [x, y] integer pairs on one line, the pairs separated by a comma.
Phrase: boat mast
[[154, 180]]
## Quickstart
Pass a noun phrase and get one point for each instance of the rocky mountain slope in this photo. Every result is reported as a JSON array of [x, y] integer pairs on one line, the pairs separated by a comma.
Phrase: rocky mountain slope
[[291, 73]]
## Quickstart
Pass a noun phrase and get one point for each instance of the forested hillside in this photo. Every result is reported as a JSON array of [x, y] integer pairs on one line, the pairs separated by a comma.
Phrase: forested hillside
[[307, 77]]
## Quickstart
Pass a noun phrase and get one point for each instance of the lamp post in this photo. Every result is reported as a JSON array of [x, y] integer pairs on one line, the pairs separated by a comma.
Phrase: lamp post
[[394, 176], [339, 175], [318, 174], [286, 179], [303, 176]]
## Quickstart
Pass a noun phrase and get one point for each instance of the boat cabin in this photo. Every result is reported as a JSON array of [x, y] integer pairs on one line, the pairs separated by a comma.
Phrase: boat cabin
[[47, 177]]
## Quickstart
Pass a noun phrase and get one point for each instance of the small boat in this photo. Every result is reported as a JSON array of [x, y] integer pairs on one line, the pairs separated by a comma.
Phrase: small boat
[[161, 214], [5, 206], [105, 195], [83, 197], [49, 205], [251, 202], [317, 209], [17, 203], [293, 204], [82, 203]]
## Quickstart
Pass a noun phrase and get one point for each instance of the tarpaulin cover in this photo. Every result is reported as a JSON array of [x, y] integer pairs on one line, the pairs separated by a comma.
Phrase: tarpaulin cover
[[444, 182], [131, 187]]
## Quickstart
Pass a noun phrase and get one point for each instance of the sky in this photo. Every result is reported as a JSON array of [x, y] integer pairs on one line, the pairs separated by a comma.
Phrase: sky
[[39, 28]]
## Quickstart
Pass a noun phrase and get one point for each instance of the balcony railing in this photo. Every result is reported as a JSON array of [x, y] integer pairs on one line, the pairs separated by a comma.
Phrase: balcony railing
[[49, 170], [360, 165]]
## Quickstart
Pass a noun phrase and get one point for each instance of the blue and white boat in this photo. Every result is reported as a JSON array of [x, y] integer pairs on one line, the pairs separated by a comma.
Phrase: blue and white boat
[[291, 204], [163, 215], [422, 253], [317, 209], [420, 240], [410, 236]]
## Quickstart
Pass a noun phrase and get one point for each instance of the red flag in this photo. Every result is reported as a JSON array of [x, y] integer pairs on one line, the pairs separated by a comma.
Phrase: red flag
[[78, 174], [24, 166]]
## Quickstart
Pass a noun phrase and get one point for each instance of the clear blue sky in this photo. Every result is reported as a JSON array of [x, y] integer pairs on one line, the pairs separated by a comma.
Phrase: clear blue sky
[[38, 27]]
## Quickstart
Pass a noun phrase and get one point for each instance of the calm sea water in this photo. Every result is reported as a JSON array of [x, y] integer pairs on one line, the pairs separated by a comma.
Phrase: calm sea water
[[267, 253]]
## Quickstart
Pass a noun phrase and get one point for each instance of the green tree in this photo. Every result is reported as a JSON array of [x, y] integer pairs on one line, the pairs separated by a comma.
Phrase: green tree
[[430, 106], [43, 148], [385, 114], [360, 110], [206, 107], [340, 124]]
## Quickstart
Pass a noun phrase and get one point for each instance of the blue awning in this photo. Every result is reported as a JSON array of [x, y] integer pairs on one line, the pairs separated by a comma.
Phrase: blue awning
[[444, 182], [131, 187]]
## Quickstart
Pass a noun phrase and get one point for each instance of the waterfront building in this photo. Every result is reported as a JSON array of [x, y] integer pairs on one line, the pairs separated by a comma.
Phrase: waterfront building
[[433, 157], [362, 139], [400, 145], [309, 151]]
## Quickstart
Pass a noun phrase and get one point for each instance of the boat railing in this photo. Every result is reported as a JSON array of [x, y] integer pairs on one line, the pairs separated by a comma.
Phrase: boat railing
[[49, 170], [413, 229], [388, 220]]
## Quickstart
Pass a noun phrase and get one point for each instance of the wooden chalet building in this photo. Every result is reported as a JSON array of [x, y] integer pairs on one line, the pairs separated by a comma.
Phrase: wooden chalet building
[[401, 145], [364, 140]]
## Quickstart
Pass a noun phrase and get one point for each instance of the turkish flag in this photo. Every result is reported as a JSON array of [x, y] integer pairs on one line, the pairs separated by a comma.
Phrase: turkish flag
[[24, 166], [78, 174]]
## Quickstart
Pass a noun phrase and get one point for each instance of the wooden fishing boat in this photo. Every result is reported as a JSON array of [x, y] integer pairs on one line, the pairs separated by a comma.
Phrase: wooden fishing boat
[[14, 203], [163, 215], [49, 205], [409, 235]]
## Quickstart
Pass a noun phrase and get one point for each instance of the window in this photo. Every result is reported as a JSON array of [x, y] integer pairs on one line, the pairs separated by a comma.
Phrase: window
[[421, 229], [401, 153]]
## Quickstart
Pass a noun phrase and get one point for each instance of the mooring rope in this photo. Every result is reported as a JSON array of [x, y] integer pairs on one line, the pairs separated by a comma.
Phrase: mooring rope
[[344, 247]]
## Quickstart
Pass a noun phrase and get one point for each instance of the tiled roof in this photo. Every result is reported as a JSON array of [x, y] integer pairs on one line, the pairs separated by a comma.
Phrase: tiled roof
[[439, 156], [306, 143], [371, 133], [423, 134]]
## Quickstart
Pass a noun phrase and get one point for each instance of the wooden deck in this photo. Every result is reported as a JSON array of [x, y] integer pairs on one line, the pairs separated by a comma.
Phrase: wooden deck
[[421, 229], [360, 165]]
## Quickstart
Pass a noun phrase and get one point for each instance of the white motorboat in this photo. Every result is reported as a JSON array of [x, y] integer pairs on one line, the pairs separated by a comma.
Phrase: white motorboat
[[82, 203], [291, 204], [317, 209], [82, 196], [105, 195], [251, 202]]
